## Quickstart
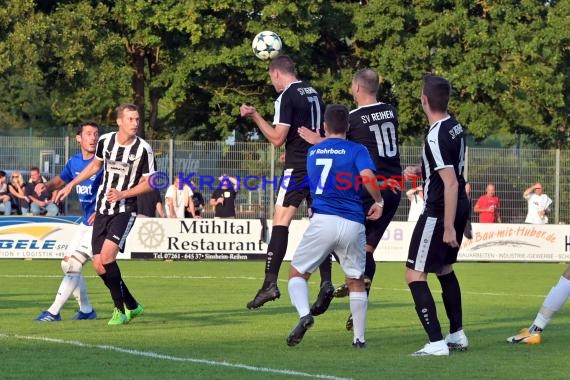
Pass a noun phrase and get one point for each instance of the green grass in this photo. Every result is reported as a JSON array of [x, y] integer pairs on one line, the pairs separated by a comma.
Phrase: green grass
[[195, 320]]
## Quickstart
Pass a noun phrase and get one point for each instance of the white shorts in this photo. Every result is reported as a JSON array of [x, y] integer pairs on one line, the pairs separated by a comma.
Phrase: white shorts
[[81, 243], [328, 233]]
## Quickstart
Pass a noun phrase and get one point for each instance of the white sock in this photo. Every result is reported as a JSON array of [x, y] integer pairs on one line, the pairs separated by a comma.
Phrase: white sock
[[299, 293], [358, 308], [68, 284], [553, 302], [80, 294]]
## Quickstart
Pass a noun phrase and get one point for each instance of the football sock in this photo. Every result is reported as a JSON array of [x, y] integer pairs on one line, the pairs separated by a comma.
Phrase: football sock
[[114, 282], [451, 294], [299, 293], [80, 294], [326, 269], [358, 308], [553, 302], [369, 268], [275, 253], [68, 284], [128, 297], [425, 307]]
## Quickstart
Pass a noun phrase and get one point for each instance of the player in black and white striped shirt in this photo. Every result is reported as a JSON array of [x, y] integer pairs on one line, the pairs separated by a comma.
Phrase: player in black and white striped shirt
[[127, 160], [437, 236]]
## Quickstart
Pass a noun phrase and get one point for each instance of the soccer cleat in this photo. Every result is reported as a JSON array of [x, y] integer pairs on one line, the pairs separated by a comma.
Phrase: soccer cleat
[[359, 344], [134, 313], [84, 316], [297, 334], [46, 316], [457, 341], [438, 348], [525, 337], [342, 290], [323, 299], [349, 324], [118, 318], [270, 293]]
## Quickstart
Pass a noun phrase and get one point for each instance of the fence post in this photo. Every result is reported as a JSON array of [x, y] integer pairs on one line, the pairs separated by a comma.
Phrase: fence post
[[66, 158], [170, 158], [466, 164], [557, 189]]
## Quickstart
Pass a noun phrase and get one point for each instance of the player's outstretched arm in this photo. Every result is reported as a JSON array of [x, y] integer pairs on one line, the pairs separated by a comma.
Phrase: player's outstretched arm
[[275, 136], [90, 170]]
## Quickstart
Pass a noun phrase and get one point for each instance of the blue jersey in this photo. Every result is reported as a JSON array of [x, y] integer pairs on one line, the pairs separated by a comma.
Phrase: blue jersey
[[333, 169], [86, 190]]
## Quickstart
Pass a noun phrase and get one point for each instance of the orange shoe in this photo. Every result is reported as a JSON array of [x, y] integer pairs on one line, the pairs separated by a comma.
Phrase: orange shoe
[[525, 337]]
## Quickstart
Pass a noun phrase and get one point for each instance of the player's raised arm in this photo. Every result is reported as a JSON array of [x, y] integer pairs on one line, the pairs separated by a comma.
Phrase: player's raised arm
[[275, 135], [91, 169]]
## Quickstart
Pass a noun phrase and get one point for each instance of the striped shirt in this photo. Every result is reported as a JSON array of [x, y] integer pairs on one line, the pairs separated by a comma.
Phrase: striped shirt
[[124, 166], [444, 147]]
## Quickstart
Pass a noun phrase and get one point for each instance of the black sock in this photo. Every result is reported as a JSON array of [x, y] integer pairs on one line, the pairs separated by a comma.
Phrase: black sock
[[275, 253], [130, 301], [114, 283], [104, 278], [425, 307], [326, 269], [370, 268], [451, 294]]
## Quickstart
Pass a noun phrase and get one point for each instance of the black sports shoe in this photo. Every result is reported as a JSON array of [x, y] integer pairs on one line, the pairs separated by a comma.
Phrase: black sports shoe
[[359, 344], [349, 323], [270, 293], [323, 299], [297, 334]]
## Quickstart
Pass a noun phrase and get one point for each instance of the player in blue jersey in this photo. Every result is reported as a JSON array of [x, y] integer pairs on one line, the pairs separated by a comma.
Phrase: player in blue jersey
[[336, 171], [80, 248]]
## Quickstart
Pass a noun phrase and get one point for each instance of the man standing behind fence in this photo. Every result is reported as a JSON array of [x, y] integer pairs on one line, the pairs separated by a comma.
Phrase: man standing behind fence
[[487, 206], [538, 204]]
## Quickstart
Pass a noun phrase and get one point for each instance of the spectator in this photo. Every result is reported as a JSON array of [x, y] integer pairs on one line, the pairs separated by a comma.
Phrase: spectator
[[150, 205], [488, 206], [538, 204], [198, 201], [40, 202], [416, 197], [5, 201], [468, 231], [17, 189], [178, 199], [223, 198]]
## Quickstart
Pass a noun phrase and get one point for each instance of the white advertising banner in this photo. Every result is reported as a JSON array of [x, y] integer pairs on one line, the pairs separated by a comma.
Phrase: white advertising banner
[[244, 239], [38, 237]]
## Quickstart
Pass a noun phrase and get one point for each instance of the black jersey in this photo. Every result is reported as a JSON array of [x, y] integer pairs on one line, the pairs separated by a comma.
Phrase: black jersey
[[299, 105], [444, 147], [376, 127], [124, 166]]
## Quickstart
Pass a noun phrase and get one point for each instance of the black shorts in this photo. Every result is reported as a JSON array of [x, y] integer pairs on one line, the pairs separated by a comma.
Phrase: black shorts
[[375, 228], [293, 188], [114, 227], [428, 253]]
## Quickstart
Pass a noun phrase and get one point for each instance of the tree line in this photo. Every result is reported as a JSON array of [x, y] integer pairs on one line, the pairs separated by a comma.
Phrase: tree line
[[188, 64]]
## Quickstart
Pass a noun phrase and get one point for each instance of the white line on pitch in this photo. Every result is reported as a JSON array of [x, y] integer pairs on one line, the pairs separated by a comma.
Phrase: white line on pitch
[[155, 355], [176, 277]]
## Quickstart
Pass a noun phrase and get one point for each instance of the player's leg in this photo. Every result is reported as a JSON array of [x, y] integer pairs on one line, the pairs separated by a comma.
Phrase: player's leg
[[326, 289], [73, 282], [352, 257], [426, 254], [553, 302], [289, 198], [450, 289], [317, 238], [117, 230]]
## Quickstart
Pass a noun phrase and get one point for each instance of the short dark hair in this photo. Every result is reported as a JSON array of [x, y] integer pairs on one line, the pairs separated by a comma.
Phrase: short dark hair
[[437, 90], [86, 124], [125, 106], [2, 173], [283, 63], [368, 79], [35, 169], [336, 117]]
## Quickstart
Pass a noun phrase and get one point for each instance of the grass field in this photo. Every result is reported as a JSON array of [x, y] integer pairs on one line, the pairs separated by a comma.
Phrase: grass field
[[196, 326]]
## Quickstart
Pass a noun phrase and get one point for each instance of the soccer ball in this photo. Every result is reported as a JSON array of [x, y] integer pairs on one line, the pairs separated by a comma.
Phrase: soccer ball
[[266, 45]]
